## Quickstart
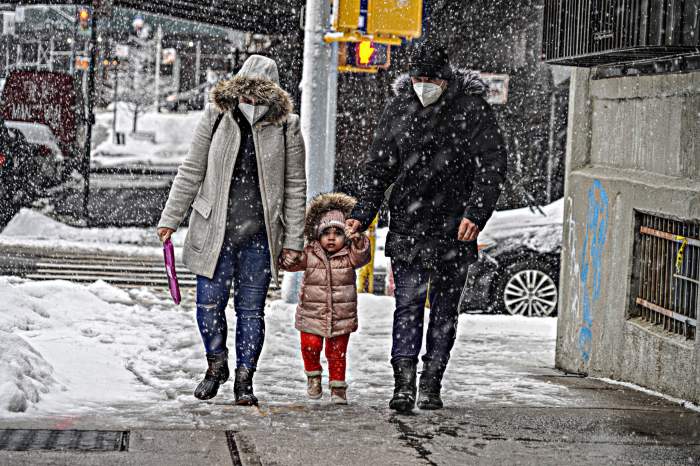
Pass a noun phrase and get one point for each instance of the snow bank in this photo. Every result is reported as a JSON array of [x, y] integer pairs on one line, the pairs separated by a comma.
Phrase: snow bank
[[135, 353], [173, 135], [24, 374], [30, 224]]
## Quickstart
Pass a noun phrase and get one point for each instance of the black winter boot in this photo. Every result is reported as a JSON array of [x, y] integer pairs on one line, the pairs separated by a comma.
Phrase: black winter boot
[[404, 385], [429, 386], [243, 387], [216, 375]]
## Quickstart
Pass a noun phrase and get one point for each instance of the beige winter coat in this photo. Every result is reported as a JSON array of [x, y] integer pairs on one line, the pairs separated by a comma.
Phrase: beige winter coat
[[204, 178], [328, 298]]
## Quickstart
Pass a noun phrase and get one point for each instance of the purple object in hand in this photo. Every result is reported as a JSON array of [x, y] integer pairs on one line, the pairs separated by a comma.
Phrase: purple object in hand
[[169, 254]]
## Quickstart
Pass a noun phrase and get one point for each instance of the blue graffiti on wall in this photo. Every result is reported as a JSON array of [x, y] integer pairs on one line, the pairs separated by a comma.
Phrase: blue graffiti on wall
[[591, 256]]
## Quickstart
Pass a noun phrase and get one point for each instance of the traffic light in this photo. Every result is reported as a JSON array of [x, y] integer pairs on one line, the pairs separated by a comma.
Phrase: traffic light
[[365, 52], [84, 18]]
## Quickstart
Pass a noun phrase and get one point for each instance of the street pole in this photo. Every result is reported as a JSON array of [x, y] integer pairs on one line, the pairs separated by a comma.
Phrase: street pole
[[318, 108], [90, 100], [159, 37], [197, 63], [115, 139]]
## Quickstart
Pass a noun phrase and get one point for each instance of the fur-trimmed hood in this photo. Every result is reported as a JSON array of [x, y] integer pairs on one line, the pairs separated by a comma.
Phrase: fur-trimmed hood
[[258, 78], [468, 81], [321, 204]]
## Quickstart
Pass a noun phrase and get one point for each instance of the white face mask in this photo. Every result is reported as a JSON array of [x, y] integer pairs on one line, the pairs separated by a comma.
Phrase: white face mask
[[428, 93], [253, 113]]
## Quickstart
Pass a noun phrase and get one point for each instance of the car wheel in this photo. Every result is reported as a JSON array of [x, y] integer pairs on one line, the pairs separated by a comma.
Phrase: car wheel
[[529, 288]]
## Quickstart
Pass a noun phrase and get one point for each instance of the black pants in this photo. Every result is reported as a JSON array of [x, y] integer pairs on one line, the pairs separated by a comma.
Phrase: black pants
[[446, 282]]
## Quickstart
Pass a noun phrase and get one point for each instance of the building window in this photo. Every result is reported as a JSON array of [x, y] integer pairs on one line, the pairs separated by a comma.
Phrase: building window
[[666, 273]]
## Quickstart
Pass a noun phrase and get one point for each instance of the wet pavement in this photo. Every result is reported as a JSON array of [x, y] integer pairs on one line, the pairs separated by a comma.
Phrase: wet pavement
[[598, 424]]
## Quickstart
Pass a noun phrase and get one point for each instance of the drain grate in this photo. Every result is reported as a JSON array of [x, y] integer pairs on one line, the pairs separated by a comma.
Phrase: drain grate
[[81, 440]]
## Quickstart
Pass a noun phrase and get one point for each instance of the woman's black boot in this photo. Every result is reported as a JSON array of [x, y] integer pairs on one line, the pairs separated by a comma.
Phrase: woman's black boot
[[429, 386], [404, 398], [243, 387], [216, 375]]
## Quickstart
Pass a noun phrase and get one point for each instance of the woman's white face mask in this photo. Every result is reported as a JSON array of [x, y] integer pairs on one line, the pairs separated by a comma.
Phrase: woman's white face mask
[[428, 93], [253, 113]]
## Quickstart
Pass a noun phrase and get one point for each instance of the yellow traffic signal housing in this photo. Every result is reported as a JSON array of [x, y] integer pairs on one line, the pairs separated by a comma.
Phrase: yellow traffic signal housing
[[401, 18], [346, 15]]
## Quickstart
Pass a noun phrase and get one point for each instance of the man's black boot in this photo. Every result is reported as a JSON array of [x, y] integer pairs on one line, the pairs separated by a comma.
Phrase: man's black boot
[[243, 387], [216, 374], [429, 386], [404, 398]]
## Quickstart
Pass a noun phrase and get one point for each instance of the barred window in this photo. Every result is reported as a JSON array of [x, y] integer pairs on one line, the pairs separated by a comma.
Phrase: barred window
[[665, 277]]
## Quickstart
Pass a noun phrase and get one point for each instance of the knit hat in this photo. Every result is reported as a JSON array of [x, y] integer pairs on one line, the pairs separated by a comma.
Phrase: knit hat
[[332, 218], [430, 60]]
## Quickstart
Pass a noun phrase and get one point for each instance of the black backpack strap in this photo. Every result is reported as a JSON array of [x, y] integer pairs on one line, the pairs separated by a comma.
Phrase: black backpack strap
[[284, 135], [216, 123]]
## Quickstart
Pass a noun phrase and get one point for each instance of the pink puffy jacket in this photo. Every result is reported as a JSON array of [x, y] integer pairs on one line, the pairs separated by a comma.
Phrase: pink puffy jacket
[[328, 298]]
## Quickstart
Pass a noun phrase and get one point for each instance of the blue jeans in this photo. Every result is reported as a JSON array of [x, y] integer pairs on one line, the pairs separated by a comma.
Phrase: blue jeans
[[446, 283], [247, 267]]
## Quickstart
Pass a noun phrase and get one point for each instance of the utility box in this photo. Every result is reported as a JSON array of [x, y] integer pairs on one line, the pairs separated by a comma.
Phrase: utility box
[[402, 18], [589, 33]]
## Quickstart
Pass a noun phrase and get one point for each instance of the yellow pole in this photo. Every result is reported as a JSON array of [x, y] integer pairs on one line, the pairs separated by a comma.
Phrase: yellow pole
[[365, 276]]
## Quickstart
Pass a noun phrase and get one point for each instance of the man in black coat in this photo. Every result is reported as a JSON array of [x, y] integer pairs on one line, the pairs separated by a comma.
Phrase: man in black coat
[[439, 148]]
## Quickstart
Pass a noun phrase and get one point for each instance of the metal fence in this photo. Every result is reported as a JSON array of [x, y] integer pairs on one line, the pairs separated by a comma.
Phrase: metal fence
[[596, 32], [667, 273]]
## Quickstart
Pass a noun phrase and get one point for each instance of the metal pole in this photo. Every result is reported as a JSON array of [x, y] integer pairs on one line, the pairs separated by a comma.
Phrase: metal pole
[[115, 139], [552, 135], [73, 43], [318, 107], [316, 72], [197, 63], [159, 37], [90, 100]]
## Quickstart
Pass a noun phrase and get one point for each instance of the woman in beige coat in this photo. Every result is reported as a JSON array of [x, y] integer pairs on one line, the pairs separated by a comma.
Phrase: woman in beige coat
[[244, 178]]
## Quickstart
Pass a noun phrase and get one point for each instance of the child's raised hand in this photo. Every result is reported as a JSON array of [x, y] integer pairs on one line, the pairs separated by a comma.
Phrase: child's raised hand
[[357, 240]]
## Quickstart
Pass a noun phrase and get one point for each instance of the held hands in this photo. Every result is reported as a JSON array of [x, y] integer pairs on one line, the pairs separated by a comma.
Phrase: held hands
[[358, 240], [164, 234], [289, 257], [352, 227], [468, 231]]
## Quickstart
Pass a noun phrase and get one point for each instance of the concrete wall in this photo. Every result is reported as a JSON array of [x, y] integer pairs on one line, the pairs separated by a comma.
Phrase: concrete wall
[[634, 143]]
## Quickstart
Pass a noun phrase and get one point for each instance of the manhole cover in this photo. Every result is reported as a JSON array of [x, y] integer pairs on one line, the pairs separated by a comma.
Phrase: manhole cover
[[82, 440]]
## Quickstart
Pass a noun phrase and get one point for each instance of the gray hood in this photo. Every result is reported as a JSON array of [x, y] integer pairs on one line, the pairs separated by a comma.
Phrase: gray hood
[[257, 78]]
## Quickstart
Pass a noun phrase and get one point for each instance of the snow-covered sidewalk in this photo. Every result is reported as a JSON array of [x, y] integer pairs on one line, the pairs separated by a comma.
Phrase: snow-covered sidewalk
[[68, 348]]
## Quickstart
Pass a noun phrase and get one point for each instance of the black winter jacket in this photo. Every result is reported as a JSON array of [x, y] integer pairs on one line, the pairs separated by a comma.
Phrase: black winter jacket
[[446, 162]]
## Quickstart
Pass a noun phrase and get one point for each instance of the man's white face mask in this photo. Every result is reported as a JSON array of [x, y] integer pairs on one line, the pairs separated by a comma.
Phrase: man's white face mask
[[428, 93], [253, 113]]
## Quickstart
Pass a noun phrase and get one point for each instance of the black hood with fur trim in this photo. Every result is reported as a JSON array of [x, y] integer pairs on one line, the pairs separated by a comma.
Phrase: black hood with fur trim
[[468, 81], [321, 204], [226, 93]]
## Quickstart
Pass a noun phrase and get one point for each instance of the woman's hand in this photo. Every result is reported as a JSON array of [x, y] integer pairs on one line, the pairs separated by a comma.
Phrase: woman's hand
[[289, 257], [164, 234]]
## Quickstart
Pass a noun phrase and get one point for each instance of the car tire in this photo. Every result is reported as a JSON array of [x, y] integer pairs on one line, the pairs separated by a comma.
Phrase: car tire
[[529, 286]]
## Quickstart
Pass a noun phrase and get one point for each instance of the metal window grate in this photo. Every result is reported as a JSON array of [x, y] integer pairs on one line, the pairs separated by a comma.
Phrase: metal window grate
[[596, 32], [667, 273]]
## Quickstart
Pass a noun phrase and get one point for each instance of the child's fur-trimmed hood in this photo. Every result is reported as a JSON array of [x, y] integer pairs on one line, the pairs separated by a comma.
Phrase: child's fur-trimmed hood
[[321, 204]]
